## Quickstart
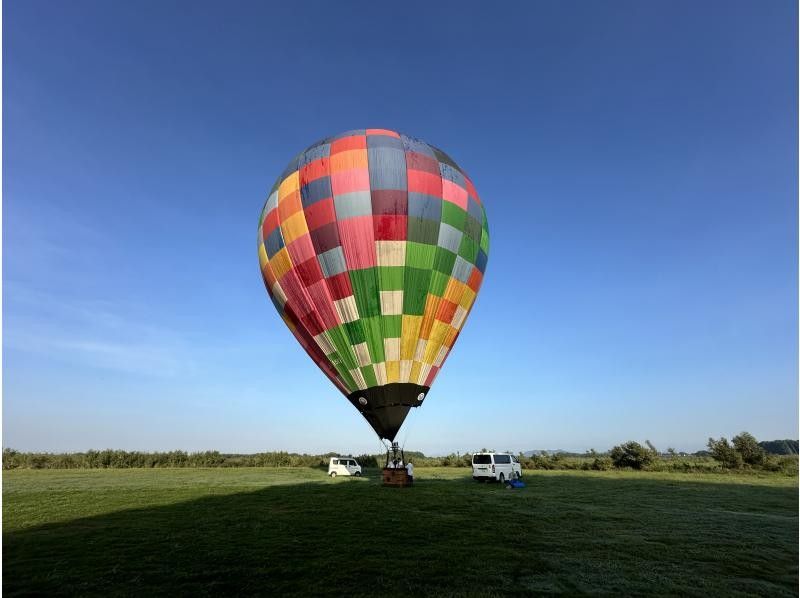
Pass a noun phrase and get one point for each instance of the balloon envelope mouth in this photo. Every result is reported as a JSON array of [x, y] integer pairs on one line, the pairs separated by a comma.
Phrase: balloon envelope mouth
[[386, 407]]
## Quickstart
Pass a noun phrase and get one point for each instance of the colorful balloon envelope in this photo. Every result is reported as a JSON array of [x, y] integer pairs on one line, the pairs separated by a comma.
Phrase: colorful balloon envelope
[[373, 246]]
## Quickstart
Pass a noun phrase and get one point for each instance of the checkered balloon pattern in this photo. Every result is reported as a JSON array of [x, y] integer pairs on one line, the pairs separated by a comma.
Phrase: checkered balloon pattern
[[373, 246]]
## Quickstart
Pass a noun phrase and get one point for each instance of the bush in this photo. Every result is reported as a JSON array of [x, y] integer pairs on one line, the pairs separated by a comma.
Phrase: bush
[[722, 451], [747, 446], [602, 463], [745, 450], [632, 455], [785, 464]]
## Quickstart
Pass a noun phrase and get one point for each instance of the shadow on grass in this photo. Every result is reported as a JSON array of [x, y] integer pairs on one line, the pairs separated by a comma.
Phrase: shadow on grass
[[562, 534]]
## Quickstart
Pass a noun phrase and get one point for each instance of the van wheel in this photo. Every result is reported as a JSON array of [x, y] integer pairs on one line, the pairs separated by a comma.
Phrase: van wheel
[[333, 474], [502, 478], [358, 474]]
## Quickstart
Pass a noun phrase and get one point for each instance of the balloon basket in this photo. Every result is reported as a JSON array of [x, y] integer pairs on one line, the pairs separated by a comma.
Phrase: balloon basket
[[395, 473], [396, 478]]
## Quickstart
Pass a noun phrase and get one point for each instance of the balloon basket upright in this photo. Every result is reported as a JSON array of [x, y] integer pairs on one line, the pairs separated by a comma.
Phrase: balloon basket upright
[[396, 478], [395, 473]]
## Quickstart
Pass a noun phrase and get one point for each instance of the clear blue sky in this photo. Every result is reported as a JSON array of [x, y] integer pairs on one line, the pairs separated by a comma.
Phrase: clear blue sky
[[637, 160]]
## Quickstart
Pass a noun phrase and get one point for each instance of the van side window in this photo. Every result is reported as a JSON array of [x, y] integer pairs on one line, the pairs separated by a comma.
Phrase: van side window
[[502, 459], [336, 461]]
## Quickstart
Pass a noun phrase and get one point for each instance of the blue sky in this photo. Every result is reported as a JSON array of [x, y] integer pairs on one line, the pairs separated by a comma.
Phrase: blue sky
[[637, 160]]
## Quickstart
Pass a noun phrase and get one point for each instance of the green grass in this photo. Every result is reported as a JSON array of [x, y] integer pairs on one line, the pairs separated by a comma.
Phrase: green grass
[[295, 531]]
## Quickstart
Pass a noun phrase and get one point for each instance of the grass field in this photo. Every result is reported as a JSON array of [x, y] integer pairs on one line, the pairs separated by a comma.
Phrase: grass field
[[294, 531]]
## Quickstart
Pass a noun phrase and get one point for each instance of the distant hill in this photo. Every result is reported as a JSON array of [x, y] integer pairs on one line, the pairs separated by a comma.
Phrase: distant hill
[[780, 447]]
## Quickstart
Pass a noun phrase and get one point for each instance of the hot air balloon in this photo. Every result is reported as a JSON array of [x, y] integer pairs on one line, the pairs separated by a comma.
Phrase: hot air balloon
[[373, 246]]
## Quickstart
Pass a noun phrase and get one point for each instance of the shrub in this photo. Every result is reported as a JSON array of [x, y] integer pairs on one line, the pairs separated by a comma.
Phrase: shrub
[[722, 451], [602, 463], [540, 461], [785, 464], [747, 446], [632, 454]]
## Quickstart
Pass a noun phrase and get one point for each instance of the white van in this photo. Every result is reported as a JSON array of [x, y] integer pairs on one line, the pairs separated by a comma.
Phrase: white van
[[495, 466], [343, 466]]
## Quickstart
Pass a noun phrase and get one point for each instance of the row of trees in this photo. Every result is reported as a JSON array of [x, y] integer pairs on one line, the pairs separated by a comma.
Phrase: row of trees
[[114, 459], [742, 452]]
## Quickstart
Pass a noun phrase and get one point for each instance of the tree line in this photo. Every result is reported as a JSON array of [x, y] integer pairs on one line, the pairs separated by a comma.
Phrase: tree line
[[743, 452], [117, 459]]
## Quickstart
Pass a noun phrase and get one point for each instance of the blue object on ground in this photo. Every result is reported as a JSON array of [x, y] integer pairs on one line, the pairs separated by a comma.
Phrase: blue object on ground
[[516, 483]]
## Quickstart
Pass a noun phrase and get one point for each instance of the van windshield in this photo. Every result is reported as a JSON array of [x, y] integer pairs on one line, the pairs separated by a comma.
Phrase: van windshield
[[482, 459]]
